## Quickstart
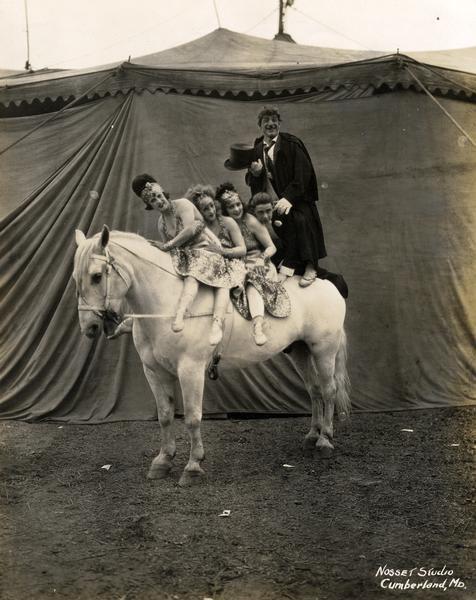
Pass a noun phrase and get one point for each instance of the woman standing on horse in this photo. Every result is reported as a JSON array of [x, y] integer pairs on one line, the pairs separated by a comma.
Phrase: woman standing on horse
[[262, 287], [182, 232]]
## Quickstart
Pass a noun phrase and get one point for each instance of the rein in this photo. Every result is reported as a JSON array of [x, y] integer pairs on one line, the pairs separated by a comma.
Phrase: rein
[[105, 312], [151, 315]]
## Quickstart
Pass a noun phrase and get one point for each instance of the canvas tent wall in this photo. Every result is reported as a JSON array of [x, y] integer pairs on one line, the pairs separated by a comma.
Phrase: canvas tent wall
[[397, 187]]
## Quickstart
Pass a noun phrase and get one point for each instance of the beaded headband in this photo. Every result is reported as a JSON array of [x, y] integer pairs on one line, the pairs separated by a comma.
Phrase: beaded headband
[[230, 195]]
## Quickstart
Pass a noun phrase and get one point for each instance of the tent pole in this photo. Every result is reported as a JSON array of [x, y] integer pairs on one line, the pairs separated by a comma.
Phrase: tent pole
[[216, 13], [281, 17], [27, 63], [281, 35]]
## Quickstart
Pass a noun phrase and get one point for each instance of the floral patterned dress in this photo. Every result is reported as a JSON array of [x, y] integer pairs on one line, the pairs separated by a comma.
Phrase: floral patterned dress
[[194, 260], [262, 275], [236, 266]]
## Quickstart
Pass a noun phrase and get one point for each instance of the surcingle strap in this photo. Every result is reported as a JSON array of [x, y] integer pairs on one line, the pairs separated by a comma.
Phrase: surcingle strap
[[212, 369]]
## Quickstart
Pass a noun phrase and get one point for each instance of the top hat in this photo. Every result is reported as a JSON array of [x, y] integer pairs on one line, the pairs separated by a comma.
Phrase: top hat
[[241, 157]]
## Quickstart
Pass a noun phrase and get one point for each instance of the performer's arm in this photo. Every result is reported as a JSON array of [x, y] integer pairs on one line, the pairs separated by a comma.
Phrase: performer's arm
[[262, 235], [193, 224], [239, 247]]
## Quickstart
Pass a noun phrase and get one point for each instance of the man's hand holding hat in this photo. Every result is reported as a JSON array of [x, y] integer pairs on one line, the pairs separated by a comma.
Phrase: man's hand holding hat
[[256, 167]]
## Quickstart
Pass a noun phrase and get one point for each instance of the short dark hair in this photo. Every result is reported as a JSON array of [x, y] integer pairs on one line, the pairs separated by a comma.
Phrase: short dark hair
[[268, 111], [259, 198], [140, 181]]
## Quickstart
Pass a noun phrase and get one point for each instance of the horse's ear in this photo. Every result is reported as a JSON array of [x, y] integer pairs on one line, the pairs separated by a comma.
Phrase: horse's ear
[[79, 236], [105, 236]]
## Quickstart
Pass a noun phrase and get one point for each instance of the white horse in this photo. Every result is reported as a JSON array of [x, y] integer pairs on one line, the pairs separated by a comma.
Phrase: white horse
[[115, 266]]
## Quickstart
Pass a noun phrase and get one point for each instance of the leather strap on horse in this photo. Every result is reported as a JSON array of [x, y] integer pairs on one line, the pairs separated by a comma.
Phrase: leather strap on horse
[[103, 311], [212, 368]]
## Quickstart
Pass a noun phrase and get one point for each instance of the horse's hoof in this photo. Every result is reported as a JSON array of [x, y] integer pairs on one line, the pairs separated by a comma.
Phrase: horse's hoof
[[325, 451], [342, 417], [158, 471], [190, 478], [309, 444]]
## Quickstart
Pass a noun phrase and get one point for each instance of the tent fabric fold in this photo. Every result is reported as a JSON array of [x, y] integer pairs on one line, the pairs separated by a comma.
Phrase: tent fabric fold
[[397, 185]]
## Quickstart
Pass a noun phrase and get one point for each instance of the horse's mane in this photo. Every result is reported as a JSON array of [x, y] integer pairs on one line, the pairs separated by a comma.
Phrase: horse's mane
[[134, 243]]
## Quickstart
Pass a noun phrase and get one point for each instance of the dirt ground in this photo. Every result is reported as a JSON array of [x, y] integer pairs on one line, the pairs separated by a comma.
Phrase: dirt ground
[[314, 530]]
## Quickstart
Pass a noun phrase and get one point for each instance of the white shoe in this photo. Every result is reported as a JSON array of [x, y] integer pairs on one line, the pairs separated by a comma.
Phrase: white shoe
[[178, 324], [123, 327], [258, 334], [216, 334], [309, 277]]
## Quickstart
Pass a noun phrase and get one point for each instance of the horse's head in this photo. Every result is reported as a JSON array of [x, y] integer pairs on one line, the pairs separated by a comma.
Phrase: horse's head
[[101, 284]]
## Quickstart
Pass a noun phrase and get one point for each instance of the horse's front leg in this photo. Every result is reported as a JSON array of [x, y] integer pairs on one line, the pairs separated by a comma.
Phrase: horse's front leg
[[191, 376], [162, 386]]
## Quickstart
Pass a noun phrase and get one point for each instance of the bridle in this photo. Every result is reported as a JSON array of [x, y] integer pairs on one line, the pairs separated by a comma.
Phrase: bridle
[[105, 312]]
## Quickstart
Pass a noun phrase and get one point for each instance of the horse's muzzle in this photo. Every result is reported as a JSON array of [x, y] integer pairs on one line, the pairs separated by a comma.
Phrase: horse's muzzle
[[110, 321], [92, 331]]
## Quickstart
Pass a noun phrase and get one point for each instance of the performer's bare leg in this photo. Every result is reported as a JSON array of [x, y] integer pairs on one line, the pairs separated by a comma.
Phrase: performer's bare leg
[[189, 292], [256, 306]]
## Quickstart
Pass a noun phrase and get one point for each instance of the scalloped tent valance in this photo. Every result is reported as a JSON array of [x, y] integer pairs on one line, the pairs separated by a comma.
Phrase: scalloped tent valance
[[225, 63]]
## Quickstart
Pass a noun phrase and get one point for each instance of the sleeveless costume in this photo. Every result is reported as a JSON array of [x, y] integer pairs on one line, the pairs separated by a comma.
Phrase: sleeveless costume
[[261, 275], [194, 260], [236, 266]]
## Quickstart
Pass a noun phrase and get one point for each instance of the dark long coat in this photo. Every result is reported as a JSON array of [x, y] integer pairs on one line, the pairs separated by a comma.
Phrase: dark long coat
[[294, 178]]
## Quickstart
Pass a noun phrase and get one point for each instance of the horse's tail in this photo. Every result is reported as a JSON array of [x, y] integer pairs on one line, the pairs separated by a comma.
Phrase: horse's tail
[[342, 378]]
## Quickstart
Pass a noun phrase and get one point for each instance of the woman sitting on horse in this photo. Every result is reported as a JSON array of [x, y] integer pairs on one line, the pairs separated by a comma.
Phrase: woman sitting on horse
[[182, 232], [232, 245], [262, 287]]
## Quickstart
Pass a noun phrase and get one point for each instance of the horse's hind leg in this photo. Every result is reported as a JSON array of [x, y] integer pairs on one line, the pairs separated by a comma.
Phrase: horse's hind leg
[[324, 354], [302, 359], [162, 386], [192, 380]]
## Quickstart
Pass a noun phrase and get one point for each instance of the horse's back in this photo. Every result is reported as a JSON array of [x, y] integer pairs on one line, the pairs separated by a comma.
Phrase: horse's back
[[320, 302], [317, 311]]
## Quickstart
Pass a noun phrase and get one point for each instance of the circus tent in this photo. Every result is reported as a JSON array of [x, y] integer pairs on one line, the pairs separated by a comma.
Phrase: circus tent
[[397, 185]]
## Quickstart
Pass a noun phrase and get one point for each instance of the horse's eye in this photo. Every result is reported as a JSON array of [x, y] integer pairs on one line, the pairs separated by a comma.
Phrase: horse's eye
[[96, 278]]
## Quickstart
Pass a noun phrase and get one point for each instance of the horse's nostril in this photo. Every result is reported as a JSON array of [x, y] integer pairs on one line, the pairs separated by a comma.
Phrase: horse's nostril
[[92, 331]]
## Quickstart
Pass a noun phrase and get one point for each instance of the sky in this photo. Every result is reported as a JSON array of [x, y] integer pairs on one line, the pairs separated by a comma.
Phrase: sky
[[84, 33]]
